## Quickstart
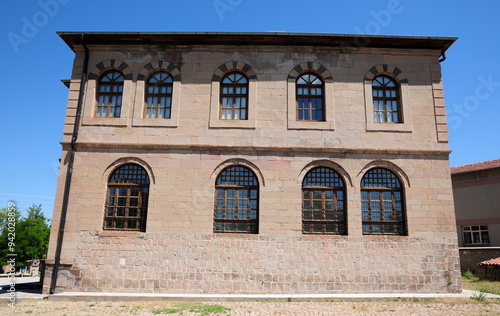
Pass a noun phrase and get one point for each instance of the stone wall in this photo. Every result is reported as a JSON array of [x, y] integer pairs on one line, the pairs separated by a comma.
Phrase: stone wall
[[471, 256], [209, 263]]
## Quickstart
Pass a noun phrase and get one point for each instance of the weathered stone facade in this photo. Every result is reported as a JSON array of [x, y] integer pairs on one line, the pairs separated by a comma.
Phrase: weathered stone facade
[[179, 251]]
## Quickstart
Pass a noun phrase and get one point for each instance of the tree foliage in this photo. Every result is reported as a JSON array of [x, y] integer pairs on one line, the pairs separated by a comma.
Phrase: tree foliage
[[31, 238]]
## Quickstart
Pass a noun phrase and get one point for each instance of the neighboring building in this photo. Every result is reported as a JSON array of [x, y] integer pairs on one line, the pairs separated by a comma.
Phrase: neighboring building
[[476, 191], [255, 163]]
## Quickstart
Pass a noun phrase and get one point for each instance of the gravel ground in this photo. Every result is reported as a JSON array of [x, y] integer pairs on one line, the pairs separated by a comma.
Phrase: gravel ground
[[462, 306]]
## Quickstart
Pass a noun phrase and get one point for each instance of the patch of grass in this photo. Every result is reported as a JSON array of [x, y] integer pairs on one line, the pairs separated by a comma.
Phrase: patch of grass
[[478, 296], [475, 284], [192, 307], [166, 311], [29, 312], [469, 275]]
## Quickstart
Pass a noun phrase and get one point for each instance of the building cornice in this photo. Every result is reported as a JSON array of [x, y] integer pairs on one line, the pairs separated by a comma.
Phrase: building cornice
[[422, 152]]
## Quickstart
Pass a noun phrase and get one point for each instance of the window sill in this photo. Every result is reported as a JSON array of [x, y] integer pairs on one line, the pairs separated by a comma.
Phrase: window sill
[[389, 127], [324, 235], [476, 245], [234, 235], [121, 233], [105, 121], [311, 125], [383, 236], [154, 122], [249, 124]]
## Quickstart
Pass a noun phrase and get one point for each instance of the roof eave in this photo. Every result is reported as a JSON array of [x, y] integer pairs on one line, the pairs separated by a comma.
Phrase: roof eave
[[73, 39]]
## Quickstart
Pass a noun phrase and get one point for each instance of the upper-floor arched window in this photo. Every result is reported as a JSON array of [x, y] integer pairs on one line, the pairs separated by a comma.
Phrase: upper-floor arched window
[[310, 98], [386, 100], [109, 94], [234, 97], [382, 203], [158, 95]]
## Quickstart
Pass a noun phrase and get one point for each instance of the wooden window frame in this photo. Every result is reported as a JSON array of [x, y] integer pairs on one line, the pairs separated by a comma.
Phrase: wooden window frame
[[234, 95], [235, 221], [142, 201], [395, 222], [336, 222], [110, 94], [167, 95], [308, 86], [384, 99]]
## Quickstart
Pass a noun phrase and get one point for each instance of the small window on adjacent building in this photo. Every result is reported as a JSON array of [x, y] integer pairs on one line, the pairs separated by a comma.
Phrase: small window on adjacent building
[[159, 95], [236, 201], [382, 203], [310, 98], [109, 94], [475, 235], [234, 97], [127, 199], [386, 100], [323, 202]]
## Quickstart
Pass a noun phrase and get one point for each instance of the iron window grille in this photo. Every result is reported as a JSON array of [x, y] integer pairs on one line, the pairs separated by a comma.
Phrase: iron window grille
[[324, 209], [382, 203], [127, 199], [236, 208]]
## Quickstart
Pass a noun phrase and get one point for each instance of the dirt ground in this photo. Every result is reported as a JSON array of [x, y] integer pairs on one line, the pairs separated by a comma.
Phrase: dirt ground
[[448, 306]]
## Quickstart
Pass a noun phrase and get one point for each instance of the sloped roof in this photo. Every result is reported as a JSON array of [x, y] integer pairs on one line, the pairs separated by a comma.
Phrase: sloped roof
[[491, 262], [490, 164]]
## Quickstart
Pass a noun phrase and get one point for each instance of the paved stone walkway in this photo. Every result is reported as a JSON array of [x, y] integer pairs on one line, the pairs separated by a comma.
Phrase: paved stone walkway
[[440, 306]]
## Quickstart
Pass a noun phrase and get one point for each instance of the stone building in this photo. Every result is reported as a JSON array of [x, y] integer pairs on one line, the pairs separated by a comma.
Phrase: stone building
[[254, 163], [476, 192]]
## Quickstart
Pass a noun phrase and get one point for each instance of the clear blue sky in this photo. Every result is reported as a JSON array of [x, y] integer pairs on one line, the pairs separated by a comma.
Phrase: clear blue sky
[[34, 59]]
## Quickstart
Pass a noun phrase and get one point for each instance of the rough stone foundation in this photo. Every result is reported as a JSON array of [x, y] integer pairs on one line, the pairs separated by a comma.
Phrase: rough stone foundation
[[196, 263]]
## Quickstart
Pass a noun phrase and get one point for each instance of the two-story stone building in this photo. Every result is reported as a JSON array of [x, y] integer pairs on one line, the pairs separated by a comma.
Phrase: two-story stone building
[[254, 163]]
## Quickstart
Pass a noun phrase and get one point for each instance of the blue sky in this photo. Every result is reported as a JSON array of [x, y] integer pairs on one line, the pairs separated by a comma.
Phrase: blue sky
[[34, 59]]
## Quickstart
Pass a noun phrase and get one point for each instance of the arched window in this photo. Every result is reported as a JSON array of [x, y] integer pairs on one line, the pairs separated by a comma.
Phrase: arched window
[[310, 98], [386, 100], [382, 203], [323, 203], [159, 95], [109, 94], [127, 199], [234, 97], [236, 201]]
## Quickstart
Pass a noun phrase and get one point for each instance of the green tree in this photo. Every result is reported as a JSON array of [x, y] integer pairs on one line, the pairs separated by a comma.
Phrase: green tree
[[4, 216], [31, 237]]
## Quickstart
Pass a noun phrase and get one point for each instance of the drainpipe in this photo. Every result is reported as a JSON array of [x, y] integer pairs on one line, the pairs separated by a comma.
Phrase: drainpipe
[[69, 173], [443, 57]]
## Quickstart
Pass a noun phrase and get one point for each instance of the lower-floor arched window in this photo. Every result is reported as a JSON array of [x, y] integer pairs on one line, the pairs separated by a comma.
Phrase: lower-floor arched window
[[323, 202], [382, 203], [236, 201], [127, 199]]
